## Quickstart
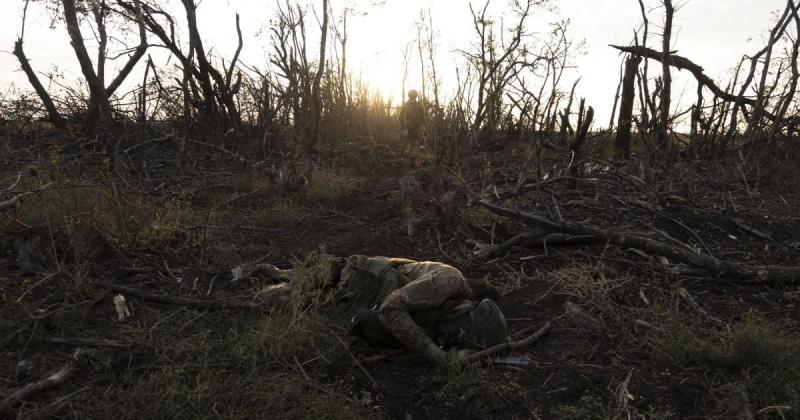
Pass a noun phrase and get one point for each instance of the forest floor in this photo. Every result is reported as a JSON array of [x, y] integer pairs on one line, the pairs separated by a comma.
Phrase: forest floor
[[655, 339]]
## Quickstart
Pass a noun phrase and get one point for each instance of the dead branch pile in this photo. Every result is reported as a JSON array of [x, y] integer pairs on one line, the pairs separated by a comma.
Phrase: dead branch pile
[[723, 268]]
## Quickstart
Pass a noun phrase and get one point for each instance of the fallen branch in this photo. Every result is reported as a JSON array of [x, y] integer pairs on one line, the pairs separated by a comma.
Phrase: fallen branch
[[54, 379], [646, 324], [754, 273], [386, 355], [522, 189], [360, 366], [163, 138], [175, 300], [49, 410], [88, 342], [19, 176], [532, 237], [511, 345], [220, 148], [684, 294], [741, 224], [17, 198]]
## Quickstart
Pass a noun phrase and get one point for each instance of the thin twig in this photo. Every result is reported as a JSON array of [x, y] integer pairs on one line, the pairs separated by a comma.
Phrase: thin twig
[[175, 300], [17, 198], [19, 176], [511, 345], [54, 379], [360, 366], [88, 342], [684, 294]]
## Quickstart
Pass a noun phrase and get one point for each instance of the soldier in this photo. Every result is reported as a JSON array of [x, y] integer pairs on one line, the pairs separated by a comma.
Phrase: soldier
[[413, 119], [426, 306]]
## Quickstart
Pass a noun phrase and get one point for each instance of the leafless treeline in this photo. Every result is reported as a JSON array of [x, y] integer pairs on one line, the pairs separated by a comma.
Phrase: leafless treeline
[[756, 107], [511, 87]]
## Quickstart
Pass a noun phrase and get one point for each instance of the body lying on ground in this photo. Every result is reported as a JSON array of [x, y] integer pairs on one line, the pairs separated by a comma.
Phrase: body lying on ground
[[426, 306]]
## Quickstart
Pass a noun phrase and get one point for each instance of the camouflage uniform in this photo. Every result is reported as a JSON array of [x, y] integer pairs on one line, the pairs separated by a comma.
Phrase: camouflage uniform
[[434, 285], [412, 119], [410, 296], [392, 302]]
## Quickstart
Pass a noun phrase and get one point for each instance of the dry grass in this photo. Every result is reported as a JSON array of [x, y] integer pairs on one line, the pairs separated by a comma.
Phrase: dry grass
[[330, 184], [592, 285], [754, 357]]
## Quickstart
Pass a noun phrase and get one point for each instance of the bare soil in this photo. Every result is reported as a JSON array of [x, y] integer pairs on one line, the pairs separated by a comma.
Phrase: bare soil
[[192, 218]]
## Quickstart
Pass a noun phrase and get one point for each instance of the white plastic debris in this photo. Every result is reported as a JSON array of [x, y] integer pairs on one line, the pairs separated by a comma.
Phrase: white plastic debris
[[237, 273], [123, 313]]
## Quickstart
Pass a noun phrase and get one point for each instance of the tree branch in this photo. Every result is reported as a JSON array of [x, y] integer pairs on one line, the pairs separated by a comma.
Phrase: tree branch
[[753, 273]]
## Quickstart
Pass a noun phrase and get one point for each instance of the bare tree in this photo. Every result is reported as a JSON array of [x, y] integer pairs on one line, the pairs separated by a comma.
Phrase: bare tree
[[496, 61], [623, 139], [219, 87], [315, 92], [666, 88], [52, 113], [99, 114], [775, 34], [788, 96]]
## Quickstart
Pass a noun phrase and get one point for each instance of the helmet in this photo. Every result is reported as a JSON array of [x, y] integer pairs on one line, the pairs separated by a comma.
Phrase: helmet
[[412, 93], [481, 327]]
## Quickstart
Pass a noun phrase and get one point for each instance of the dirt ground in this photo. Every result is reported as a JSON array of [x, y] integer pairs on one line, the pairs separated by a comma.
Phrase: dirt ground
[[183, 220]]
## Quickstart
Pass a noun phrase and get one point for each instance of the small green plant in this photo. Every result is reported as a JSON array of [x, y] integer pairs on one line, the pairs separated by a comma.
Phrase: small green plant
[[56, 158], [162, 224]]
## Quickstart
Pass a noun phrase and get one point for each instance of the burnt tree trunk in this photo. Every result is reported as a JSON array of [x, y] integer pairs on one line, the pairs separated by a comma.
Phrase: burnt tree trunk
[[666, 92], [203, 66], [622, 144], [584, 123]]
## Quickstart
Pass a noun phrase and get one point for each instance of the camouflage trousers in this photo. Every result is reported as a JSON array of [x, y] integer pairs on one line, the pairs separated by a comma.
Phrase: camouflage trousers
[[433, 286], [414, 137]]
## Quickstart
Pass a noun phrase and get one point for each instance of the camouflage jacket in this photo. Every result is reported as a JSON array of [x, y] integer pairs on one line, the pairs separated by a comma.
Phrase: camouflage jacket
[[410, 296], [412, 115]]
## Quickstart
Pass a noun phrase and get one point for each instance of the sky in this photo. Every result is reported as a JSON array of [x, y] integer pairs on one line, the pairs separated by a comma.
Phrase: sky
[[713, 33]]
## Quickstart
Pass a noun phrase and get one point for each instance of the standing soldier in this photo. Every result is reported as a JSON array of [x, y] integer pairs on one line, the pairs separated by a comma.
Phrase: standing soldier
[[412, 119]]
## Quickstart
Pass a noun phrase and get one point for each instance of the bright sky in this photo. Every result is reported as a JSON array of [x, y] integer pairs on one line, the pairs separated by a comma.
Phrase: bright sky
[[713, 33]]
